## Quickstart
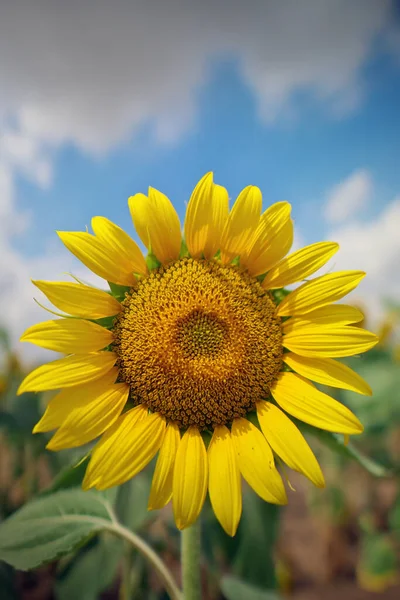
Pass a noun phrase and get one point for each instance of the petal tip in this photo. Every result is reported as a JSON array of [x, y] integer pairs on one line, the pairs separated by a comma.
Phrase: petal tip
[[22, 389], [51, 446], [87, 483], [181, 525]]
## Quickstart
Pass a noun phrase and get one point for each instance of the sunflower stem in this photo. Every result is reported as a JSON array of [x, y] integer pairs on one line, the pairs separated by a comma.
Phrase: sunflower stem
[[125, 592], [190, 558], [151, 556]]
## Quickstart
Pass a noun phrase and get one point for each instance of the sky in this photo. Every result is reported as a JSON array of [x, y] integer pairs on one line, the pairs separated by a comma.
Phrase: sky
[[100, 100]]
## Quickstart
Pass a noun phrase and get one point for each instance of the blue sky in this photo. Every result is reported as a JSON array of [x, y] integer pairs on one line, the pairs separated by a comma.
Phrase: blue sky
[[297, 158], [309, 113]]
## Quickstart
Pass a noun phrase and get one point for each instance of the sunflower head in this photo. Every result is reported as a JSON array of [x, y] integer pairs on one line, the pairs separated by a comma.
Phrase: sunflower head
[[199, 355]]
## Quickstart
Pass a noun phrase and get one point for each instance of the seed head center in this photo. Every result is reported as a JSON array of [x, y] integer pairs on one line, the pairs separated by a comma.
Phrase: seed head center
[[198, 342], [200, 334]]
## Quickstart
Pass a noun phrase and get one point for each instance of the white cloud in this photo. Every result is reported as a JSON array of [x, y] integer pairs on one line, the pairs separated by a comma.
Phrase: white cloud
[[17, 307], [348, 197], [91, 73], [375, 248]]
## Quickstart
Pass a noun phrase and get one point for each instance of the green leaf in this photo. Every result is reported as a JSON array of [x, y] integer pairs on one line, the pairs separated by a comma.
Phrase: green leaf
[[235, 589], [335, 442], [52, 526], [92, 570]]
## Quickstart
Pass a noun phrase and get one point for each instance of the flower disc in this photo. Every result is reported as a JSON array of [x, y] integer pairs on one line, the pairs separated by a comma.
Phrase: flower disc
[[199, 342]]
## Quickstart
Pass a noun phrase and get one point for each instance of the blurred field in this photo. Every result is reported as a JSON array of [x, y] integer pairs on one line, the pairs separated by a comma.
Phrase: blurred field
[[342, 542]]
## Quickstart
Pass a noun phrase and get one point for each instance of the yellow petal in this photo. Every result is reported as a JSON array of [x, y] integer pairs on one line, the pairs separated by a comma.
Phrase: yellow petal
[[206, 215], [332, 314], [220, 211], [272, 239], [241, 223], [125, 449], [198, 220], [328, 372], [68, 336], [70, 399], [161, 487], [96, 413], [302, 400], [157, 224], [300, 264], [79, 300], [288, 443], [120, 244], [319, 292], [93, 253], [140, 209], [224, 480], [68, 371], [190, 478], [256, 462], [329, 340]]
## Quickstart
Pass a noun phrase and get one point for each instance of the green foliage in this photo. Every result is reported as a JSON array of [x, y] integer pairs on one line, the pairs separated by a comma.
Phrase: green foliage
[[131, 502], [256, 537], [378, 564], [394, 519], [381, 410], [249, 553], [92, 569], [52, 526], [235, 589], [335, 442]]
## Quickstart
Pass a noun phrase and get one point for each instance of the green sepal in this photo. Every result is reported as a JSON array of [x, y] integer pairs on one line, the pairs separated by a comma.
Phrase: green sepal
[[184, 252], [252, 417], [206, 435], [152, 262], [279, 295], [106, 322], [119, 291]]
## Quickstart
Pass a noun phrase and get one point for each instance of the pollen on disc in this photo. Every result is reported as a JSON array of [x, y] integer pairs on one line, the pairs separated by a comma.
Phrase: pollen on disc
[[198, 342]]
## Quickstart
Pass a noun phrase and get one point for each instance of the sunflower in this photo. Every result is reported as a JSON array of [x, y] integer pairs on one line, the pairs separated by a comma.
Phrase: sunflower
[[198, 353]]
